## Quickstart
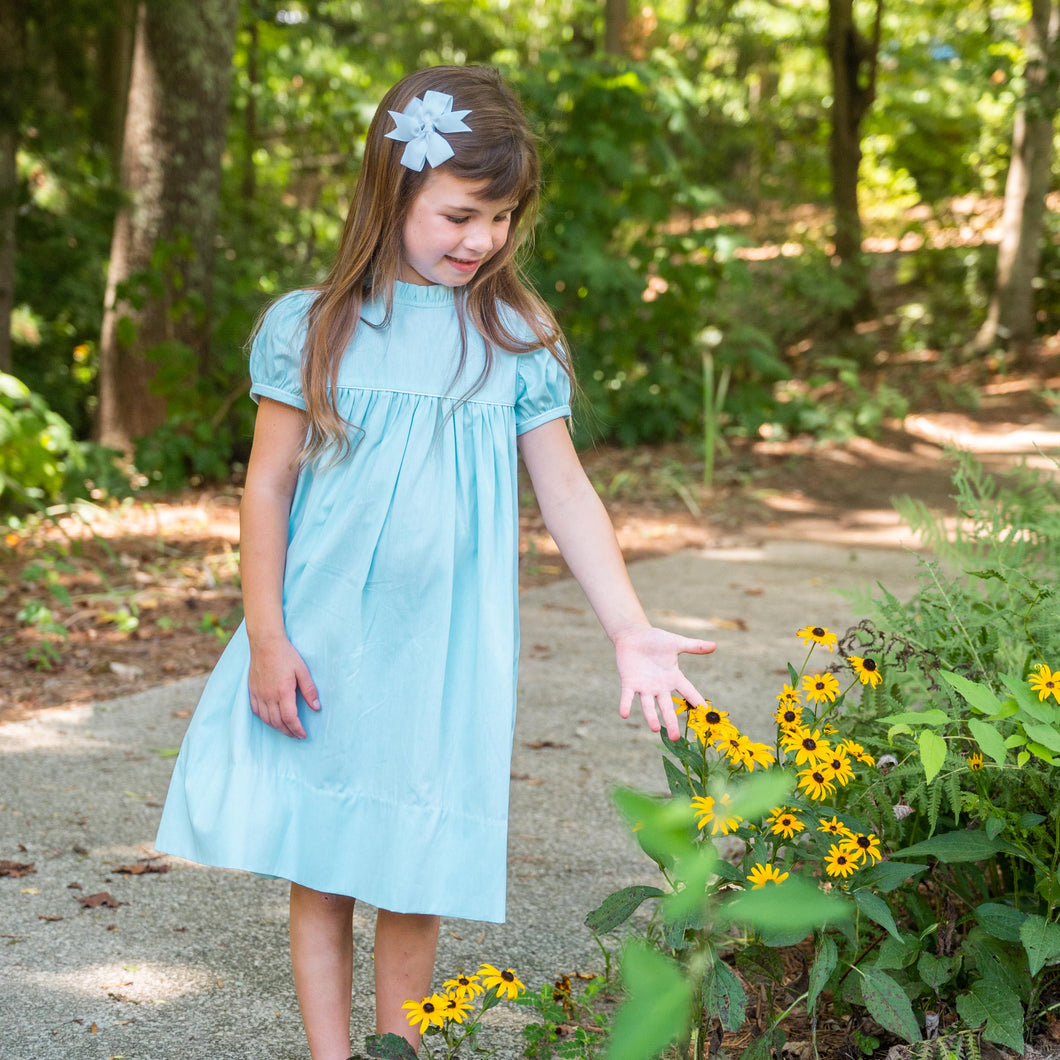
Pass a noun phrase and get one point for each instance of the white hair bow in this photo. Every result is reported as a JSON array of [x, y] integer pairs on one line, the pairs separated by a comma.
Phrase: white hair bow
[[420, 126]]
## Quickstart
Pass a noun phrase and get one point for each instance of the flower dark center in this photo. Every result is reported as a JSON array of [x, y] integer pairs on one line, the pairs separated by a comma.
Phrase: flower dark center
[[864, 842], [789, 715], [428, 1006], [785, 821], [868, 664], [841, 860], [837, 763], [819, 685], [817, 631], [508, 976], [810, 743], [713, 717], [818, 777]]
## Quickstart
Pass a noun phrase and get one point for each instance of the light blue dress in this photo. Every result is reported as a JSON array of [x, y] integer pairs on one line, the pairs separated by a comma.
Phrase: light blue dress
[[400, 592]]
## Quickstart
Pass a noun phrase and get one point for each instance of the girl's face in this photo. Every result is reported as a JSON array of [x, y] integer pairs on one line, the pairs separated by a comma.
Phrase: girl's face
[[449, 231]]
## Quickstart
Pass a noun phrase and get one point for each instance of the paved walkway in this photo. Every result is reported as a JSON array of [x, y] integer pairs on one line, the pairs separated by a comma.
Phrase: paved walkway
[[193, 964]]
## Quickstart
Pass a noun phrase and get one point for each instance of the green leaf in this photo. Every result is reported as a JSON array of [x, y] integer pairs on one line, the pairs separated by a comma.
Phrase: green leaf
[[796, 905], [885, 876], [934, 716], [618, 907], [725, 997], [388, 1047], [953, 847], [1041, 940], [657, 1007], [979, 697], [990, 741], [1028, 700], [932, 753], [935, 971], [888, 1005], [1001, 921], [760, 964], [992, 1003], [676, 779], [821, 969], [759, 792], [1029, 820], [875, 908], [1043, 734]]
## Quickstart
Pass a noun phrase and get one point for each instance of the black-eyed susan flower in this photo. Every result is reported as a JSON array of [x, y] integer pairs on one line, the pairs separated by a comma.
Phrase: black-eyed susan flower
[[820, 687], [787, 716], [784, 822], [838, 862], [790, 697], [817, 782], [856, 751], [975, 761], [713, 812], [839, 763], [710, 725], [757, 754], [456, 1007], [761, 874], [430, 1012], [734, 746], [806, 745], [811, 635], [1045, 682], [834, 827], [505, 981], [463, 985], [863, 847], [866, 669]]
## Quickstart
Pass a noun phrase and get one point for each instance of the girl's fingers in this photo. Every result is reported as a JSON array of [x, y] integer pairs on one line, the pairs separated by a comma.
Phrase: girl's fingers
[[692, 646], [307, 688], [625, 704]]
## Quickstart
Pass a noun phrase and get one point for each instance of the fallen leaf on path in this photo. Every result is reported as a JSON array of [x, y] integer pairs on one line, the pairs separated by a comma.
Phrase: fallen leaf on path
[[94, 901], [729, 623], [49, 918], [545, 745], [73, 886], [16, 869], [140, 868]]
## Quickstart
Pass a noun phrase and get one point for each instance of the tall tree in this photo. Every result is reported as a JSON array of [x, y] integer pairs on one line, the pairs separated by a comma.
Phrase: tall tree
[[1010, 316], [12, 78], [616, 20], [853, 58], [160, 272]]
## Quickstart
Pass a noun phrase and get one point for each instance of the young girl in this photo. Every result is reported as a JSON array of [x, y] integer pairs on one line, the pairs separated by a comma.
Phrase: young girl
[[355, 737]]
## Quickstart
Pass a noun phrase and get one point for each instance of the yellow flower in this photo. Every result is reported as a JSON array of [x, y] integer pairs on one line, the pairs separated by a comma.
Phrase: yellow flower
[[456, 1007], [788, 716], [863, 847], [807, 746], [735, 746], [866, 669], [710, 725], [1045, 682], [975, 761], [784, 822], [790, 697], [811, 635], [463, 985], [506, 983], [835, 827], [839, 764], [820, 687], [428, 1012], [704, 807], [758, 753], [761, 874], [838, 862], [817, 782]]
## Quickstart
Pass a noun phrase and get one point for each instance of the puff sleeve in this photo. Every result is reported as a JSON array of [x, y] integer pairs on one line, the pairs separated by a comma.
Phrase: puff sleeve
[[276, 352], [542, 391]]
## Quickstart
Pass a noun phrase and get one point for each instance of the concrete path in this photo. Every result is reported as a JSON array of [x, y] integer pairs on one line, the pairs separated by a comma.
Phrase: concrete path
[[193, 964]]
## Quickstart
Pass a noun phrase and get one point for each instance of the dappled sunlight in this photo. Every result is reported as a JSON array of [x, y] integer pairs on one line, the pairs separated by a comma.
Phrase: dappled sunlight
[[147, 982], [56, 731]]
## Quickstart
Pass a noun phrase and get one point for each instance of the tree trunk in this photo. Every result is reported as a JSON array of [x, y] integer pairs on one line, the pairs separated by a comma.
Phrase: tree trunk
[[1010, 315], [12, 78], [616, 20], [160, 273], [853, 61]]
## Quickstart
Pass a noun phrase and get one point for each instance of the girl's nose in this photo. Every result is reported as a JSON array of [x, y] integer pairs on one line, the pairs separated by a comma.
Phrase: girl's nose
[[479, 239]]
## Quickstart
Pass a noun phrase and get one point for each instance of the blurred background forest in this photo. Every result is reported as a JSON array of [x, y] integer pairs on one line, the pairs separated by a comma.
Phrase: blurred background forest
[[761, 218]]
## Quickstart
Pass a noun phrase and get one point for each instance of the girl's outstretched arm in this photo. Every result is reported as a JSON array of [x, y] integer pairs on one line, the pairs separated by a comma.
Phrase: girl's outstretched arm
[[647, 657], [277, 671]]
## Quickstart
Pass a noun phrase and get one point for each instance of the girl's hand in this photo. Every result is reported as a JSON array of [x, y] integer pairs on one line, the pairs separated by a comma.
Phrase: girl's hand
[[648, 667], [277, 674]]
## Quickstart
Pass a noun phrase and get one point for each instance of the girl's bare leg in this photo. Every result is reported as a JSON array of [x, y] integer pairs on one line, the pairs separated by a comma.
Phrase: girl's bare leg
[[322, 960], [405, 944]]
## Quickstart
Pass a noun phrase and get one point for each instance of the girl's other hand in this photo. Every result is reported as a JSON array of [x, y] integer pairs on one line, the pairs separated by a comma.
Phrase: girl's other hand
[[648, 667], [277, 674]]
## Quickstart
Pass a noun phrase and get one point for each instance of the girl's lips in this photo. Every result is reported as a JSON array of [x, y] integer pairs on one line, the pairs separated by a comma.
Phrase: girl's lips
[[462, 265]]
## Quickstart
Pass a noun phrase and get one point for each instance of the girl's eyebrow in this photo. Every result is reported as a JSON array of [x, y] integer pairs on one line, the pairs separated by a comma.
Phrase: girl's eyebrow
[[507, 208]]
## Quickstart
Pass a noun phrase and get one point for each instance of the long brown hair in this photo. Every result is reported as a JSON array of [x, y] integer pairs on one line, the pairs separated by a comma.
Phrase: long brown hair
[[500, 153]]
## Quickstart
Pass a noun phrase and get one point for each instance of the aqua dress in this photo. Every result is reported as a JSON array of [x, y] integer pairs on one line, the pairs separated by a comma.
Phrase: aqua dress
[[400, 592]]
